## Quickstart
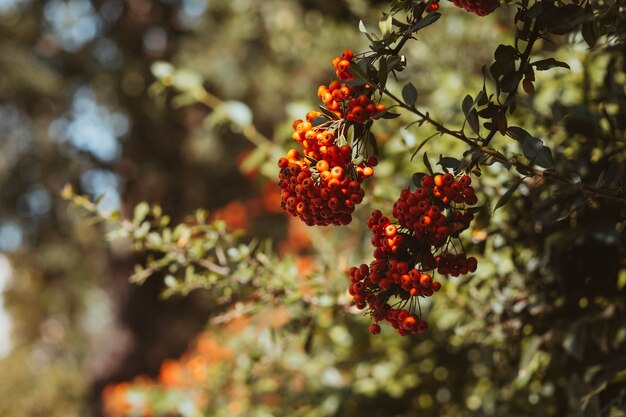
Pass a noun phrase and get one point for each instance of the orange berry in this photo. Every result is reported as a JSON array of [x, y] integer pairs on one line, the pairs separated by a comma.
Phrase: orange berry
[[322, 165], [334, 85], [337, 172], [343, 65], [283, 162], [312, 115]]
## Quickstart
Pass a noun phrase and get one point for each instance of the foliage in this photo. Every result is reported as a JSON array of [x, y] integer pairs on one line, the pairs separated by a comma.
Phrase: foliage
[[537, 329]]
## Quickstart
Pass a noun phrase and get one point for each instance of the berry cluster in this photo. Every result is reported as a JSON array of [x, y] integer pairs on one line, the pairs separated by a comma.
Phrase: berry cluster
[[479, 7], [421, 211], [342, 65], [352, 104], [322, 194], [321, 185], [407, 254]]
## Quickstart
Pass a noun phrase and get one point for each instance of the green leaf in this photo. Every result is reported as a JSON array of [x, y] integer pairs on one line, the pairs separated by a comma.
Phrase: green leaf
[[417, 179], [517, 133], [427, 163], [385, 25], [468, 103], [388, 115], [448, 162], [472, 120], [409, 94], [328, 113], [507, 195], [318, 121], [140, 212], [537, 152], [546, 64], [505, 55], [428, 20]]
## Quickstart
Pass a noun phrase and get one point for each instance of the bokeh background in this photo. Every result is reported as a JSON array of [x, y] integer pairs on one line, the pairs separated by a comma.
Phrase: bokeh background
[[540, 328]]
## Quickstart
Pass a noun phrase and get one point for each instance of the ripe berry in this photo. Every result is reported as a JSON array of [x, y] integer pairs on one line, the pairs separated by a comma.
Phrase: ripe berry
[[374, 328]]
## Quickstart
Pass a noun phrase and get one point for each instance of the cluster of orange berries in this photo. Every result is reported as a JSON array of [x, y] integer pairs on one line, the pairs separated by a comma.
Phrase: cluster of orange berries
[[353, 104], [342, 65], [478, 7], [428, 220], [321, 185], [326, 191]]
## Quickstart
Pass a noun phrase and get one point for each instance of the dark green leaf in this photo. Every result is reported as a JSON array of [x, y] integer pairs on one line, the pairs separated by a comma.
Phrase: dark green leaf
[[505, 55], [502, 123], [535, 151], [472, 120], [589, 34], [319, 120], [468, 103], [510, 81], [517, 133], [507, 195], [328, 113], [388, 115], [448, 162], [428, 20], [417, 179], [427, 163], [546, 64], [409, 94]]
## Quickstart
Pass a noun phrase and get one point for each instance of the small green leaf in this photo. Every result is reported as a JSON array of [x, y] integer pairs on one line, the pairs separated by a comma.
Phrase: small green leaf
[[427, 163], [328, 113], [385, 25], [409, 94], [507, 195], [318, 121], [417, 179], [468, 103], [141, 211], [362, 27], [546, 64], [517, 133], [472, 120], [428, 20], [537, 152], [388, 115], [448, 162]]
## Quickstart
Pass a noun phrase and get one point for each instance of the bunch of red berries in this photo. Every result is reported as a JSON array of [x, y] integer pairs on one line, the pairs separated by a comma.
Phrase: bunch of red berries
[[421, 212], [322, 185], [407, 253], [479, 7]]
